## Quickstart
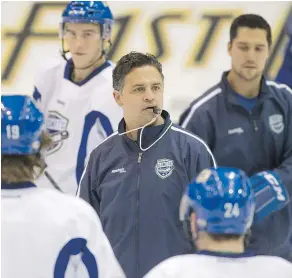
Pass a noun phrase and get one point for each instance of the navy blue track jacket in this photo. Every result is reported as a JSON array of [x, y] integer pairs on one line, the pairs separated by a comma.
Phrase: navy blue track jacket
[[256, 140], [137, 194]]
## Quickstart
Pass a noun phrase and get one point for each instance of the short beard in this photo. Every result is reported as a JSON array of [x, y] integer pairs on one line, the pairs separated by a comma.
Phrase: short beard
[[247, 79]]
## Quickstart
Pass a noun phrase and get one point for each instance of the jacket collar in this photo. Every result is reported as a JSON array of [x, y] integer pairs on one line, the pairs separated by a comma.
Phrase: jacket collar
[[230, 93], [21, 185], [69, 69], [151, 134], [226, 254]]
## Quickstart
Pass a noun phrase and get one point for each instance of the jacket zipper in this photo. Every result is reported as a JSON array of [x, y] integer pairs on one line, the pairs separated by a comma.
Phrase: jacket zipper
[[137, 213], [255, 126]]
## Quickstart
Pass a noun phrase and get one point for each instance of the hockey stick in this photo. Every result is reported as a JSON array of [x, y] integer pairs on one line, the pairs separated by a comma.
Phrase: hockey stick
[[52, 181]]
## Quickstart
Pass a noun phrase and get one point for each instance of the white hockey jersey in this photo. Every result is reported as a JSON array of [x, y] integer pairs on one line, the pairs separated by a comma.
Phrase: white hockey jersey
[[78, 117], [218, 266], [45, 234]]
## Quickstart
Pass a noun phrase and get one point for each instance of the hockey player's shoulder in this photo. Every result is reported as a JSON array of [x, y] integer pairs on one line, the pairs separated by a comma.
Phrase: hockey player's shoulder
[[67, 206], [107, 72], [274, 265], [51, 66], [175, 266]]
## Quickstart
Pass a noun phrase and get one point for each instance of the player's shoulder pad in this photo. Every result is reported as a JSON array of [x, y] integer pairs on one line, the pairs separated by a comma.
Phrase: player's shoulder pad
[[50, 66], [173, 266], [275, 262], [70, 207], [107, 73]]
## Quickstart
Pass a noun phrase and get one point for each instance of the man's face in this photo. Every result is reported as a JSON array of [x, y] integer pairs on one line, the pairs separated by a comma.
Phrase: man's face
[[84, 43], [249, 52], [142, 90]]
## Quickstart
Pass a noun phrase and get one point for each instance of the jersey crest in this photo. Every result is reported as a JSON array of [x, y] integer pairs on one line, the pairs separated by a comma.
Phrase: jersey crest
[[57, 126]]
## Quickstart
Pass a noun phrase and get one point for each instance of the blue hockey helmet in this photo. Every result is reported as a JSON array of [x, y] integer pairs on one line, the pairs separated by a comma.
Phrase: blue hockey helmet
[[222, 199], [89, 12], [21, 125]]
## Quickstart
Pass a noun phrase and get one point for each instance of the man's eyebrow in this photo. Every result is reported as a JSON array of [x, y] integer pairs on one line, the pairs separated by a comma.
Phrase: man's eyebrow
[[137, 85], [246, 43], [140, 85], [89, 30]]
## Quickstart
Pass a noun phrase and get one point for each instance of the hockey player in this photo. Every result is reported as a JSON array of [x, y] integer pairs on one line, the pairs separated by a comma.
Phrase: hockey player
[[44, 233], [75, 93], [218, 208]]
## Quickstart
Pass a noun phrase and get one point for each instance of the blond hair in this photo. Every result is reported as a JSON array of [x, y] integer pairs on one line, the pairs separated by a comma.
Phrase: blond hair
[[23, 168]]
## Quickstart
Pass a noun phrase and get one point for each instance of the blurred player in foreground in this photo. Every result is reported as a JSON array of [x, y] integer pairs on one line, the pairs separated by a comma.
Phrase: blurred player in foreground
[[75, 93], [217, 210], [44, 233]]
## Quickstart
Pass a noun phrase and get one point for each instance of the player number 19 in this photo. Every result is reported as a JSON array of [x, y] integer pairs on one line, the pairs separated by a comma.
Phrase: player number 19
[[12, 132]]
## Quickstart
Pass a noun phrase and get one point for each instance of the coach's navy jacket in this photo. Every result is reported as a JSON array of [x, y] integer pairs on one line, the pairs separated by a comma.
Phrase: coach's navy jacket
[[256, 140], [137, 194]]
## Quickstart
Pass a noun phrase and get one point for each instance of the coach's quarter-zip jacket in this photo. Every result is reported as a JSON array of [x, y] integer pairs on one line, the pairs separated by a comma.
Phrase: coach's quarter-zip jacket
[[137, 194]]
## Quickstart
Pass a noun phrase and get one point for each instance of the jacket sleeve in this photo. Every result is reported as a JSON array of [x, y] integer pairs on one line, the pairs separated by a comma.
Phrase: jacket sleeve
[[199, 122], [285, 168], [86, 189]]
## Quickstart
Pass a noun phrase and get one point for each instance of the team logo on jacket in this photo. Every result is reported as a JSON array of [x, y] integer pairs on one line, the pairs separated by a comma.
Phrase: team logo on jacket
[[276, 123], [164, 168], [56, 125]]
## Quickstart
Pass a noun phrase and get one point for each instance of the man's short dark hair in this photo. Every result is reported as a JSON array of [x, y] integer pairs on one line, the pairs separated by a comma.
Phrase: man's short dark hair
[[250, 21], [131, 61]]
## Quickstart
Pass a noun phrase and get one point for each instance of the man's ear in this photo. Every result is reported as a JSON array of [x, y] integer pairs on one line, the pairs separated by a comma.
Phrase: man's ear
[[118, 98], [193, 220], [229, 48]]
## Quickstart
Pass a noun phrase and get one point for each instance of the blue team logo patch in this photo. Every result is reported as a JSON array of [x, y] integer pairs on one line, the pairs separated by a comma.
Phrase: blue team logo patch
[[56, 125], [164, 168]]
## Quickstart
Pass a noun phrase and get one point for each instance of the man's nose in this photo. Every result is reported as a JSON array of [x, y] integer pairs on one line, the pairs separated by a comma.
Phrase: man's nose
[[149, 95], [250, 56], [79, 41]]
